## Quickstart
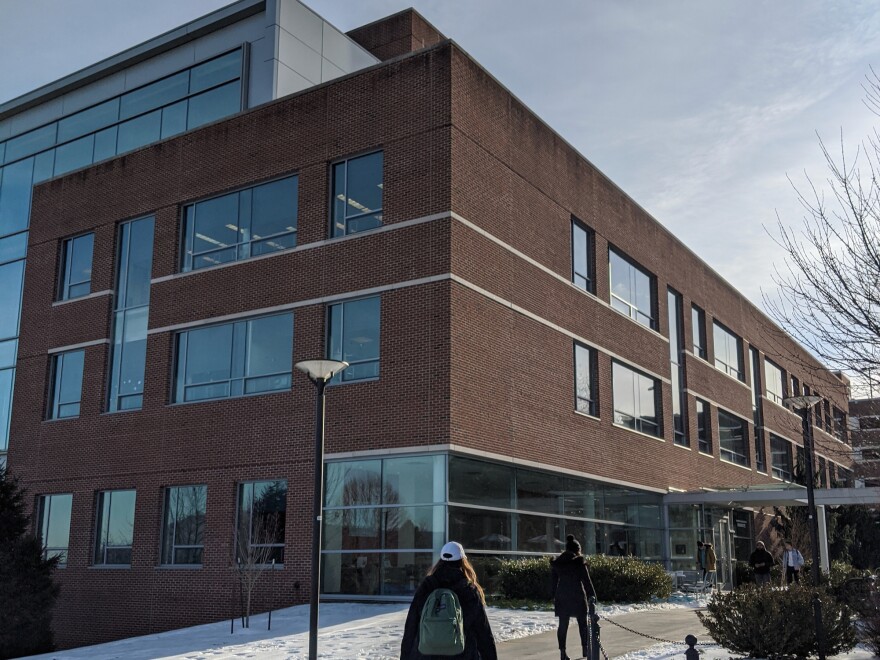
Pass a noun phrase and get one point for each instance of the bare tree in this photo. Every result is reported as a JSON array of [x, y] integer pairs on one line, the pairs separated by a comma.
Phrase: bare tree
[[257, 547]]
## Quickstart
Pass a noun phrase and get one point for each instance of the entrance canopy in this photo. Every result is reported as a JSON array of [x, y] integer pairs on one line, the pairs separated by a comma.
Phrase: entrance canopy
[[774, 495]]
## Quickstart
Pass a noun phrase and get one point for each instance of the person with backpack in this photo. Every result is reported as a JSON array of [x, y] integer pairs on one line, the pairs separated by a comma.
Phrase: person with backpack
[[447, 617], [571, 588], [792, 562]]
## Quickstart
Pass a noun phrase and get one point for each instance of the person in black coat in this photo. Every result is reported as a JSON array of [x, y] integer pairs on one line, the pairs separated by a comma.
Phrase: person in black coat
[[571, 588], [453, 571], [762, 562]]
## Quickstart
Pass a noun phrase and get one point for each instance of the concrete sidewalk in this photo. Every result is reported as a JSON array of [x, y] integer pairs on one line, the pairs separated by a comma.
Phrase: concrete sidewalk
[[666, 624]]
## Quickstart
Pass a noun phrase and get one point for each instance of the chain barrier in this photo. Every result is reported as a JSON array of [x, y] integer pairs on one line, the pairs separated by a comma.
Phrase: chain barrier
[[656, 639]]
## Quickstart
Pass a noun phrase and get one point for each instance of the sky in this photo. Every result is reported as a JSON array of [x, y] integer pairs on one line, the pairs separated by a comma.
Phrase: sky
[[701, 110]]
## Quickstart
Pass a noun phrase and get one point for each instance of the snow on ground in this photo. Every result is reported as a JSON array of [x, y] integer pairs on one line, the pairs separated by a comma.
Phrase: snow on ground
[[675, 652]]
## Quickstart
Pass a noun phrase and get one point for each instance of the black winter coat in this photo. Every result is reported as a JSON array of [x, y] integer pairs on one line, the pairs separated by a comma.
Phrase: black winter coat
[[761, 561], [479, 644], [571, 585]]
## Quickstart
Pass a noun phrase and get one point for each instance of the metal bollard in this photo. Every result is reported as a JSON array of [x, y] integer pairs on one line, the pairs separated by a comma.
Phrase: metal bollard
[[691, 653], [594, 631]]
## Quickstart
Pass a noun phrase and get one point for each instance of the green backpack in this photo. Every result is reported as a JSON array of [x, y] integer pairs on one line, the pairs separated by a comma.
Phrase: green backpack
[[441, 628]]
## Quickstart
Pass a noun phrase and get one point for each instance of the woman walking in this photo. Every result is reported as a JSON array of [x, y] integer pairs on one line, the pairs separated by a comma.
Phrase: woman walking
[[454, 572], [571, 588]]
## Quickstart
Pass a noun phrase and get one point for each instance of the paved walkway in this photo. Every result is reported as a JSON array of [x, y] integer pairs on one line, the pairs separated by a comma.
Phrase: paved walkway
[[667, 624]]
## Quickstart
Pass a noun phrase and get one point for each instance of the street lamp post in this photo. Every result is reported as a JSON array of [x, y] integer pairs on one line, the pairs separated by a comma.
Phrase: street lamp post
[[319, 372], [803, 404]]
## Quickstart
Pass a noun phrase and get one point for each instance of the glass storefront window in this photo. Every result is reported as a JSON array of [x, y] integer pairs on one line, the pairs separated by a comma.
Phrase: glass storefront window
[[413, 480], [353, 483], [539, 491], [480, 529], [539, 534], [583, 499], [481, 483]]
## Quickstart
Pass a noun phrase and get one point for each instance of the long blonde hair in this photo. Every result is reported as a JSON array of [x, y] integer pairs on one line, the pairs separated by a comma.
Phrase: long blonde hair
[[469, 573]]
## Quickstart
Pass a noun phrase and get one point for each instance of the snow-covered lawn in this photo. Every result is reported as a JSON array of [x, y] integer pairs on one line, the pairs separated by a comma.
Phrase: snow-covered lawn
[[670, 652]]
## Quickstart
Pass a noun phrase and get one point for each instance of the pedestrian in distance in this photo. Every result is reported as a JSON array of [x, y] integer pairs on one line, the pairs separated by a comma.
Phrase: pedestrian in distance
[[571, 589], [701, 559], [792, 561], [447, 618], [761, 562], [710, 567]]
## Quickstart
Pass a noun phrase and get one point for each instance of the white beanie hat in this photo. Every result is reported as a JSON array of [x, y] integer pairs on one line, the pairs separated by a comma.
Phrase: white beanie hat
[[452, 551]]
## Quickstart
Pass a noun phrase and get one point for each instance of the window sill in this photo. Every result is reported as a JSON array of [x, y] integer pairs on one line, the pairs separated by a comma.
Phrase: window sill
[[353, 382], [179, 567], [727, 375], [110, 567], [121, 412], [54, 420], [587, 415], [641, 433], [88, 296], [221, 398], [706, 454], [741, 467], [688, 447]]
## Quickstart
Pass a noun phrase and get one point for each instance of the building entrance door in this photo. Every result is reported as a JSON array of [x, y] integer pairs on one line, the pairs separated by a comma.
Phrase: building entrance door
[[723, 541]]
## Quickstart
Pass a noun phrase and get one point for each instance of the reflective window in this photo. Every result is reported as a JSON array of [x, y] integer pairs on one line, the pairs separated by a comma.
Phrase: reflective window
[[115, 527], [354, 338], [130, 315], [481, 530], [31, 142], [676, 345], [631, 289], [73, 155], [760, 459], [15, 196], [183, 532], [216, 104], [733, 438], [66, 391], [539, 491], [105, 143], [353, 484], [54, 525], [235, 359], [8, 350], [13, 247], [698, 327], [780, 458], [243, 224], [704, 433], [582, 256], [11, 279], [728, 351], [215, 72], [154, 95], [262, 515], [584, 379], [635, 400], [88, 121], [480, 483], [76, 267], [413, 480], [357, 194], [775, 377], [139, 131]]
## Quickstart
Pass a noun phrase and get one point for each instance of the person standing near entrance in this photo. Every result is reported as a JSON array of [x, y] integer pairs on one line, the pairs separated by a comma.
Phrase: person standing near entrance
[[710, 566], [792, 561], [761, 561], [571, 588]]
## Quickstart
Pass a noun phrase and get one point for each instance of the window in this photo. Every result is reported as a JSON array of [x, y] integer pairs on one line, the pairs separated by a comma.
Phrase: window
[[826, 406], [631, 289], [676, 344], [183, 533], [780, 457], [822, 472], [131, 307], [733, 434], [775, 377], [357, 194], [262, 507], [234, 359], [698, 327], [354, 338], [760, 460], [840, 425], [582, 256], [585, 380], [757, 408], [728, 351], [635, 400], [76, 267], [115, 527], [54, 512], [66, 388], [704, 433], [243, 224]]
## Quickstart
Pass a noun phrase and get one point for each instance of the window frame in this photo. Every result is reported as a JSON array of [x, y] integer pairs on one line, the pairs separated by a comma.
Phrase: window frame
[[698, 323], [100, 527], [634, 310], [44, 521], [675, 318], [65, 284], [734, 371], [779, 378], [55, 380], [341, 378], [704, 439], [639, 419], [173, 546], [778, 471], [239, 494], [589, 255], [333, 233], [592, 403], [726, 454]]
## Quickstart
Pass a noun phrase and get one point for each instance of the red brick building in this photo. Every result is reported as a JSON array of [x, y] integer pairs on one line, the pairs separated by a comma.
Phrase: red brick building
[[532, 353]]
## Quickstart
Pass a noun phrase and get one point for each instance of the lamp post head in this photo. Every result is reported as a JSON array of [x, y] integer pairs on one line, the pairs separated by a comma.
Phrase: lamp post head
[[321, 370], [801, 402]]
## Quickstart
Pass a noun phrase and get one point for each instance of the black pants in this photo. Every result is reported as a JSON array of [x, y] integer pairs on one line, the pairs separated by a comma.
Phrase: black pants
[[791, 574], [562, 633]]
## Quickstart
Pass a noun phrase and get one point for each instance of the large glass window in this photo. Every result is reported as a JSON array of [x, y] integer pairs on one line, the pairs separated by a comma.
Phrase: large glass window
[[632, 291], [728, 351], [130, 316], [115, 527], [66, 388], [357, 194], [183, 533], [354, 338], [582, 256], [635, 400], [698, 328], [262, 515], [733, 438], [585, 379], [775, 377], [76, 267], [480, 483], [235, 359], [676, 345], [240, 225], [54, 525], [11, 280], [704, 432], [780, 457]]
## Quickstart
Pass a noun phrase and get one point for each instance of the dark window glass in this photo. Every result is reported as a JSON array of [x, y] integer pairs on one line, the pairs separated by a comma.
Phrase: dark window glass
[[584, 369], [704, 433], [582, 256], [635, 400], [54, 525], [728, 352], [676, 344], [73, 155], [353, 483], [154, 95], [174, 119], [760, 460], [11, 279], [733, 434], [216, 104], [235, 359], [105, 143], [354, 338], [76, 267], [262, 515], [480, 483], [780, 458], [538, 491], [115, 527], [67, 379], [183, 534], [137, 132], [30, 143], [88, 121], [479, 529], [631, 290], [357, 194], [776, 379], [214, 72], [7, 377], [15, 196], [698, 323]]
